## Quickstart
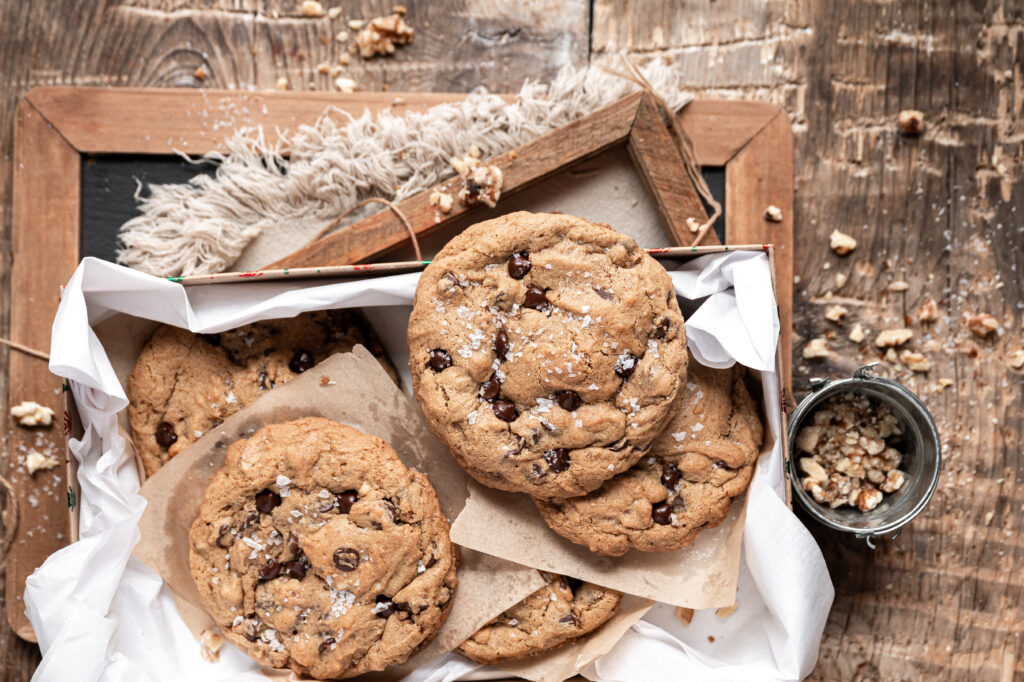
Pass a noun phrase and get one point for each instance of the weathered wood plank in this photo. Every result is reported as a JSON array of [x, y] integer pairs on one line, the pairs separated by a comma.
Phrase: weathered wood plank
[[939, 211]]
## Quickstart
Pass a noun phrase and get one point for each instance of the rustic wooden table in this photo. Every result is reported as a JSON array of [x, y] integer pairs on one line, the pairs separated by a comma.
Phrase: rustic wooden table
[[937, 211]]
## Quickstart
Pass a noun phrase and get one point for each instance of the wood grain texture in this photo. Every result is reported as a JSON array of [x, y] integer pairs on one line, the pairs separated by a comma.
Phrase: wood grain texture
[[941, 212], [242, 46]]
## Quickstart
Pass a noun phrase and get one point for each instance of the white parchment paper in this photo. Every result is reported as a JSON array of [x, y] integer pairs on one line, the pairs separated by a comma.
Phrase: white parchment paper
[[100, 614]]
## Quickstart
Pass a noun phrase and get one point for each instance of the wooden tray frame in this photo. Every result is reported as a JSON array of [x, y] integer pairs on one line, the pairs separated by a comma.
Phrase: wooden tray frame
[[55, 126]]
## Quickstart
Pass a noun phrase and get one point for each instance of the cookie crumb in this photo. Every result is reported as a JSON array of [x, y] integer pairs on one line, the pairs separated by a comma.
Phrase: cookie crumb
[[441, 200], [334, 13], [693, 224], [911, 122], [835, 313], [356, 24], [36, 461], [816, 348], [341, 37], [282, 83], [773, 214], [943, 384], [482, 181], [841, 243], [345, 84], [1016, 359], [311, 8], [200, 73], [684, 614], [888, 338], [898, 285], [210, 643], [726, 611], [857, 333], [30, 413], [840, 280], [928, 310]]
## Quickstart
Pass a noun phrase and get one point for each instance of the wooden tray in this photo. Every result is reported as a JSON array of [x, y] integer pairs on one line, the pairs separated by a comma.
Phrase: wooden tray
[[57, 130]]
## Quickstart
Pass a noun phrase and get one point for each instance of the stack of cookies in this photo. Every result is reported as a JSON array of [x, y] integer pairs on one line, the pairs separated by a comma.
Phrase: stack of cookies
[[549, 354]]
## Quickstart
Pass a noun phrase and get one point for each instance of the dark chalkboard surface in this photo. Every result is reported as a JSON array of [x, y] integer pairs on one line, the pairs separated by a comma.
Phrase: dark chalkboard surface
[[109, 183]]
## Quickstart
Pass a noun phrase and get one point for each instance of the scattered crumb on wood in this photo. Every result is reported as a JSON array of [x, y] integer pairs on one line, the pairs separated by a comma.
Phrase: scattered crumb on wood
[[1016, 359], [36, 461], [311, 8], [916, 362], [835, 313], [841, 242], [334, 13], [893, 337], [898, 285], [857, 333], [30, 413], [210, 642], [840, 280], [345, 84], [928, 311], [911, 122], [282, 83], [816, 348], [773, 214]]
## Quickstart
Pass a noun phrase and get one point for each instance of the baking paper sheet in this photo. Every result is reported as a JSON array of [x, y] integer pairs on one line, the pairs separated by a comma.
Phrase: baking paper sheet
[[101, 614]]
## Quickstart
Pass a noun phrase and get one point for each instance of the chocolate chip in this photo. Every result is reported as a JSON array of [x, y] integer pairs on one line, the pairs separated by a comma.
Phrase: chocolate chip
[[295, 569], [504, 410], [250, 520], [490, 389], [557, 459], [346, 500], [266, 500], [574, 583], [519, 265], [568, 400], [212, 339], [604, 293], [538, 471], [662, 514], [301, 361], [251, 636], [670, 476], [224, 534], [165, 436], [385, 607], [326, 506], [535, 298], [270, 571], [325, 645], [678, 503], [293, 545], [619, 446], [626, 363], [662, 329], [440, 360], [568, 619], [346, 558], [430, 562], [501, 344]]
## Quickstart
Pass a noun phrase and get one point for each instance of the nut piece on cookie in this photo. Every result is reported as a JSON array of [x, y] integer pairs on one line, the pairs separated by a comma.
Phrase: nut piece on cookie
[[316, 549], [562, 611], [701, 461], [546, 352]]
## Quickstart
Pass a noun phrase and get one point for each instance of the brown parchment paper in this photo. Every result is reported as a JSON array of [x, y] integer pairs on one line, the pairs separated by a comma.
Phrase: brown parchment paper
[[702, 576], [363, 396]]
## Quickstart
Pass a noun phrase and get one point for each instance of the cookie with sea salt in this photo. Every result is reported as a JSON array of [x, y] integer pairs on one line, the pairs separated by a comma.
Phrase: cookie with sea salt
[[185, 384], [546, 352], [563, 610], [315, 548], [696, 467]]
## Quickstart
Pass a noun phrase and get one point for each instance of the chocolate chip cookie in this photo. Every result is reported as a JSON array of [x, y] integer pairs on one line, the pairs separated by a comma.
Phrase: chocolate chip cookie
[[184, 384], [704, 458], [563, 610], [316, 549], [546, 351]]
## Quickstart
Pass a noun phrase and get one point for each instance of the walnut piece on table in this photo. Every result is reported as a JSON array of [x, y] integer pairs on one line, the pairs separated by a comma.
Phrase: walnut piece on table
[[835, 313], [482, 182], [381, 35], [30, 413], [928, 311], [982, 324], [857, 333], [846, 458], [911, 122], [36, 461], [888, 338], [916, 362], [816, 348]]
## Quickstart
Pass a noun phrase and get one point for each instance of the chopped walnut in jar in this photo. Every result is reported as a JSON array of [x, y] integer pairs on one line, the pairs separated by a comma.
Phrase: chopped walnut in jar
[[846, 453]]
